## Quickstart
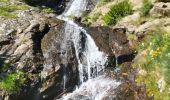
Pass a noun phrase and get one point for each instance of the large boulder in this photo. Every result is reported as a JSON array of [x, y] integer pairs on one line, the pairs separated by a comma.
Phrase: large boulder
[[101, 37], [60, 73]]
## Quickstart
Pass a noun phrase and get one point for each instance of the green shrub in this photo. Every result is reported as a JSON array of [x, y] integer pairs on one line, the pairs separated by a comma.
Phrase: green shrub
[[147, 5], [117, 12], [12, 82]]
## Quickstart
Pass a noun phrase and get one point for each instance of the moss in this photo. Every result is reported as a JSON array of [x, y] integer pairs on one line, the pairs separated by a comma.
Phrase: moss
[[12, 82], [116, 12]]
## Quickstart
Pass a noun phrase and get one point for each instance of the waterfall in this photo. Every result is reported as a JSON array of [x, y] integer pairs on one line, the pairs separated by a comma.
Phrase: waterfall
[[91, 61]]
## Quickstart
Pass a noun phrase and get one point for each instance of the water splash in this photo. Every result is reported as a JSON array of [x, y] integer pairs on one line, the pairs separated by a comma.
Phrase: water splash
[[100, 88]]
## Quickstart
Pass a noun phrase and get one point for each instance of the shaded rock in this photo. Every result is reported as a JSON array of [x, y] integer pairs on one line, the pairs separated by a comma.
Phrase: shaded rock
[[163, 0], [114, 42], [57, 5]]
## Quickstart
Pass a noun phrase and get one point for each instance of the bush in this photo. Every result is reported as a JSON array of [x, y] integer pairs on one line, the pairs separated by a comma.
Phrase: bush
[[117, 12], [12, 82], [147, 5]]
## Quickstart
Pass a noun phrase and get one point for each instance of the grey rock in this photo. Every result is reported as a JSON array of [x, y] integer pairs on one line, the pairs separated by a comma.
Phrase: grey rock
[[160, 9]]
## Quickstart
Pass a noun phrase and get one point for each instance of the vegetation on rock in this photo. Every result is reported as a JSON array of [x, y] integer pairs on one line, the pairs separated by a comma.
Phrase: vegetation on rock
[[9, 10], [118, 11], [12, 82]]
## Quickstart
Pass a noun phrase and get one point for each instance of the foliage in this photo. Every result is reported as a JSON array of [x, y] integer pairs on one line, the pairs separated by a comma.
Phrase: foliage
[[6, 66], [47, 10], [4, 1], [156, 64], [12, 82], [8, 10], [90, 19], [117, 12], [147, 5]]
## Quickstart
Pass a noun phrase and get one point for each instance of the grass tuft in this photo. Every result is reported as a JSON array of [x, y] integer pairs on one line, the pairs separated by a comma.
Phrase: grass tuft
[[117, 11]]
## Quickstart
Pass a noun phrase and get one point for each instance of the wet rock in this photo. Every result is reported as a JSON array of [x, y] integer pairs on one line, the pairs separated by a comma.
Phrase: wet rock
[[101, 37], [113, 41], [119, 42], [60, 60]]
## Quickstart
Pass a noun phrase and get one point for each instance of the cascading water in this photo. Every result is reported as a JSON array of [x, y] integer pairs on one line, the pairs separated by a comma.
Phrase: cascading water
[[90, 60]]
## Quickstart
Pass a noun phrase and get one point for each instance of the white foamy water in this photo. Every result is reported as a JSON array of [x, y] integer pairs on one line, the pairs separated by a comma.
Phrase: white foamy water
[[91, 61], [76, 9], [100, 88]]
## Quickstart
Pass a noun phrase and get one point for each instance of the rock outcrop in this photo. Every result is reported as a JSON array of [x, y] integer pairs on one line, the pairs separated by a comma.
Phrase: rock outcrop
[[161, 9], [20, 46], [59, 61]]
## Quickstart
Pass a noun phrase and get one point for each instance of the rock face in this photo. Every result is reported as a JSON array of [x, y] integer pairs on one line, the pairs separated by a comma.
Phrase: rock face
[[60, 62], [33, 43], [20, 47]]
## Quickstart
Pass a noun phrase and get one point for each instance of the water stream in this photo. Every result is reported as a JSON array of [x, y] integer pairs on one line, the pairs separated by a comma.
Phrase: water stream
[[93, 85]]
